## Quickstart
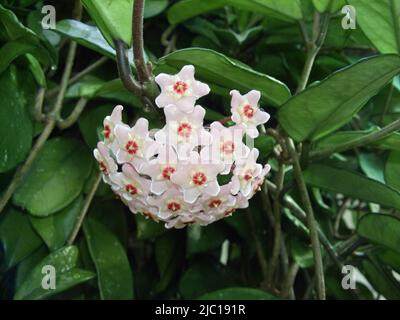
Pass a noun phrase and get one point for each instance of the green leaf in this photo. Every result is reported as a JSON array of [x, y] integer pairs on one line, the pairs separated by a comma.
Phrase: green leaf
[[17, 236], [390, 142], [169, 256], [147, 229], [379, 20], [372, 165], [15, 122], [237, 294], [265, 144], [224, 74], [11, 29], [392, 170], [323, 5], [14, 49], [56, 178], [351, 184], [154, 7], [86, 35], [114, 275], [206, 276], [329, 104], [203, 239], [281, 9], [381, 280], [55, 229], [114, 18], [381, 229], [115, 90], [64, 262]]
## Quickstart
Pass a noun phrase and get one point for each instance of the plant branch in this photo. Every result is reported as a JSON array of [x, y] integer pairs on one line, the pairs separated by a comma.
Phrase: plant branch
[[38, 109], [311, 222], [138, 47], [85, 208], [73, 117], [79, 75], [367, 139], [277, 225]]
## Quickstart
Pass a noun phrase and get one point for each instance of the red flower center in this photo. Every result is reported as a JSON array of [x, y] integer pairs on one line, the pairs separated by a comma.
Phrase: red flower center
[[229, 212], [228, 147], [199, 178], [131, 189], [215, 203], [132, 147], [107, 131], [248, 111], [103, 168], [174, 206], [248, 175], [167, 171], [185, 130], [180, 87]]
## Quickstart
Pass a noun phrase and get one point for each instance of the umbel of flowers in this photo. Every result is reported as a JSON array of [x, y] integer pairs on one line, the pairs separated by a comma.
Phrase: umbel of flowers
[[172, 174]]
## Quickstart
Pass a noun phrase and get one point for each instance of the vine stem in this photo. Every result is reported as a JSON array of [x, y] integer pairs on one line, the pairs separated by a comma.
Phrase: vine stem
[[311, 222], [277, 225], [138, 45], [85, 208], [367, 139], [51, 120]]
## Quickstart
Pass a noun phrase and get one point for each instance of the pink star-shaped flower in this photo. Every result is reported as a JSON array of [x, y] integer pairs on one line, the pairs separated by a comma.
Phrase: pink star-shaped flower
[[160, 169], [217, 205], [197, 176], [183, 131], [181, 90], [134, 144], [129, 184], [107, 164], [246, 170], [110, 122], [245, 111], [227, 145]]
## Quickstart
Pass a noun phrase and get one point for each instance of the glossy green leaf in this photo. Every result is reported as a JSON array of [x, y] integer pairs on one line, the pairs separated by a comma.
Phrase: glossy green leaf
[[329, 104], [281, 9], [114, 275], [392, 170], [194, 284], [169, 256], [390, 142], [265, 144], [64, 262], [15, 122], [323, 5], [372, 165], [381, 280], [11, 29], [351, 184], [114, 18], [224, 74], [154, 7], [381, 229], [56, 178], [380, 21], [55, 229], [237, 294], [202, 239], [147, 229], [17, 236], [86, 35]]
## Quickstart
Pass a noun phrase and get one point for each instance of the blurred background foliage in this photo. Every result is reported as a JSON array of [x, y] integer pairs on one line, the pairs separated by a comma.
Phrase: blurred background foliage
[[237, 44]]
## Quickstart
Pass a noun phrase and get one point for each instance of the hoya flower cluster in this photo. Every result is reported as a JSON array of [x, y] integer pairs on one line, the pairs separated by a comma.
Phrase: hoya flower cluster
[[173, 174]]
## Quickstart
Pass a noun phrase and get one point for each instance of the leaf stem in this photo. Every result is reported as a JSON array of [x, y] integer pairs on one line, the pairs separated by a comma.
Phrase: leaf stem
[[73, 117], [311, 222], [85, 208], [367, 139]]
